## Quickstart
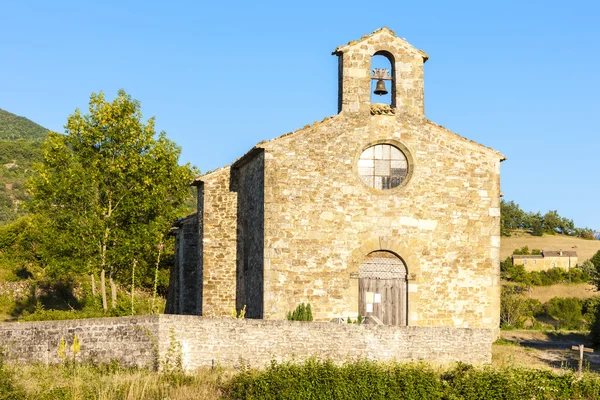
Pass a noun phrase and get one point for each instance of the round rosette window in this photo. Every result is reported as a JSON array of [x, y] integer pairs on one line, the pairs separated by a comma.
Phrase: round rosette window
[[383, 166]]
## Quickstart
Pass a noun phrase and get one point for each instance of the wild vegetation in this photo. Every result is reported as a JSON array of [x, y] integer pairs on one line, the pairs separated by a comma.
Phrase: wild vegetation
[[20, 146], [101, 201], [512, 217], [520, 310], [366, 379], [14, 127], [312, 379]]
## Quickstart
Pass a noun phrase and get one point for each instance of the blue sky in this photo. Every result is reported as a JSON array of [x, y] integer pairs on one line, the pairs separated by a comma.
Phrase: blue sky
[[519, 76]]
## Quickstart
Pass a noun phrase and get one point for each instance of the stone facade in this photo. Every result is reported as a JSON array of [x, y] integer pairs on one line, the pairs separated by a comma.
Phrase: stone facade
[[292, 221], [548, 259], [205, 342]]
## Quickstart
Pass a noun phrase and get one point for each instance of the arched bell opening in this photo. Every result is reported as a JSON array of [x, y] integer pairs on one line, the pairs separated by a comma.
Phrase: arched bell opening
[[383, 87], [383, 288]]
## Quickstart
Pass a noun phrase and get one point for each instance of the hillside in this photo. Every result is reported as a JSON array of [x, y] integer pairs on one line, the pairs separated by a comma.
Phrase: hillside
[[20, 146], [585, 248], [14, 127]]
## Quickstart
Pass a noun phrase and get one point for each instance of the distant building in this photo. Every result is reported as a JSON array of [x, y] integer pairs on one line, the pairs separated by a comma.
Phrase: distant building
[[548, 259]]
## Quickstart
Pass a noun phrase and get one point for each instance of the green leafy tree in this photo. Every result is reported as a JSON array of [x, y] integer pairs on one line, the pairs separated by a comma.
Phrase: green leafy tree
[[522, 251], [552, 222], [595, 260], [110, 188], [511, 217]]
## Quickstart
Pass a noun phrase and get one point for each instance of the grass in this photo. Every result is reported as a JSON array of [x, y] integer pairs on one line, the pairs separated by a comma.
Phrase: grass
[[545, 293], [112, 382], [109, 381], [585, 248]]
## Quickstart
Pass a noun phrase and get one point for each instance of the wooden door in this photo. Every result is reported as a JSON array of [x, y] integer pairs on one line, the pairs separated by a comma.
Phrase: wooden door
[[382, 288]]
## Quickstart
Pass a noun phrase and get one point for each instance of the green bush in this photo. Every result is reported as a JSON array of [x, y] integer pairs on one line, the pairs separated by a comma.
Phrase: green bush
[[325, 380], [371, 380], [590, 306], [552, 276], [595, 328], [515, 308], [566, 311], [301, 313]]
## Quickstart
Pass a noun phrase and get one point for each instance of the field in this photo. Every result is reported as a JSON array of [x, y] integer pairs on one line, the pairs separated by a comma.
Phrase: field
[[585, 248], [545, 293]]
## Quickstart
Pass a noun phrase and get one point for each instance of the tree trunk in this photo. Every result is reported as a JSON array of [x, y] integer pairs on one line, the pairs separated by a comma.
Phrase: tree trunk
[[113, 291], [103, 289], [133, 284], [103, 266], [93, 285], [160, 248]]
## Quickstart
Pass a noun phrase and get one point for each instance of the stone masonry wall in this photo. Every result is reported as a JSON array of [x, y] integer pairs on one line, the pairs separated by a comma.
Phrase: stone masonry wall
[[189, 275], [250, 243], [321, 221], [219, 242], [142, 340], [355, 73], [126, 339], [544, 263]]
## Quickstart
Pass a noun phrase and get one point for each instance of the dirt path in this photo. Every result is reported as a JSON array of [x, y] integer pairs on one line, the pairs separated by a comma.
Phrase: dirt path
[[544, 350]]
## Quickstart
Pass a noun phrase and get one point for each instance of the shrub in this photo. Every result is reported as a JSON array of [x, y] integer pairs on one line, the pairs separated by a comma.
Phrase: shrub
[[552, 276], [566, 311], [596, 260], [370, 380], [589, 309], [515, 308], [595, 328], [324, 380], [301, 313], [589, 268]]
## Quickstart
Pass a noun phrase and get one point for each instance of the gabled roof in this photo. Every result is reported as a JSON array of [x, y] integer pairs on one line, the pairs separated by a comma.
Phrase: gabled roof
[[381, 31], [527, 256], [559, 253], [257, 149], [547, 253]]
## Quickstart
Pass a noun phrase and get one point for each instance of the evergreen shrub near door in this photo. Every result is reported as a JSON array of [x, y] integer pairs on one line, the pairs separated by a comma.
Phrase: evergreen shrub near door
[[371, 380], [301, 313]]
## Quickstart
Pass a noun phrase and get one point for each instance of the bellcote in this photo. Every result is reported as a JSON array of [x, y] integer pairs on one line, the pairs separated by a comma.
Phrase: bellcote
[[405, 79]]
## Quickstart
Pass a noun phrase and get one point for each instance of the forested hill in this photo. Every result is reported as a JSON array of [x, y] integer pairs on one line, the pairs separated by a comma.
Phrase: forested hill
[[15, 127], [20, 146]]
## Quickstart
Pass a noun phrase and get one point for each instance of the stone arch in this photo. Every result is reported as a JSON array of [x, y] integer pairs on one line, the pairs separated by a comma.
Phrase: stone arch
[[383, 288], [387, 54], [391, 245], [397, 247]]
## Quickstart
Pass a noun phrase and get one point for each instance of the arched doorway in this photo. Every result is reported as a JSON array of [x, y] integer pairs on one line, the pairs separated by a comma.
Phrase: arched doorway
[[382, 288]]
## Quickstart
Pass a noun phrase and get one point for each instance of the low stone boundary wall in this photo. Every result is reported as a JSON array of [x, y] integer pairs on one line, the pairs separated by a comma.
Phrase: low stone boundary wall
[[128, 340], [204, 342]]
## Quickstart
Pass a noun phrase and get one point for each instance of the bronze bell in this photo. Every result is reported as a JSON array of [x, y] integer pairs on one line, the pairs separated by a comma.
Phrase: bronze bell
[[380, 88]]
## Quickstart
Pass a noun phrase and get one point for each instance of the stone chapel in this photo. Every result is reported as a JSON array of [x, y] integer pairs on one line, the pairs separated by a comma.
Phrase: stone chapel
[[375, 211]]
